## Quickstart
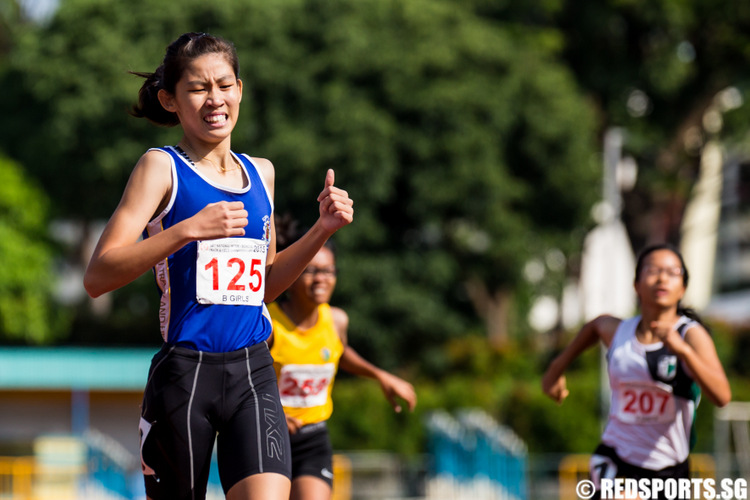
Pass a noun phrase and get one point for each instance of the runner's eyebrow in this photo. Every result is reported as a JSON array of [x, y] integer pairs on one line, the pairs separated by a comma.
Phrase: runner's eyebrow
[[221, 79]]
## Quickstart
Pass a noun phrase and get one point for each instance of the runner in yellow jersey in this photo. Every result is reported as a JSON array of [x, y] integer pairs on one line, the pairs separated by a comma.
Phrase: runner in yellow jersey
[[308, 345]]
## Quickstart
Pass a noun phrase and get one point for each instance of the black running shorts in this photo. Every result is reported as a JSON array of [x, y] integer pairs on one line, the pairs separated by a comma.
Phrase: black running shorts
[[192, 396], [312, 454], [605, 463]]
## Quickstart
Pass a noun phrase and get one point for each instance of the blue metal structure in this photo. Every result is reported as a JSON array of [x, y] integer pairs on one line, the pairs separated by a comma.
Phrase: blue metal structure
[[472, 452]]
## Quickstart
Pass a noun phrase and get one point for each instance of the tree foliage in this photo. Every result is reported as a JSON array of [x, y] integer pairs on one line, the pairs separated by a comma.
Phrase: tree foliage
[[460, 128], [465, 143], [658, 69], [466, 148], [466, 132], [27, 311]]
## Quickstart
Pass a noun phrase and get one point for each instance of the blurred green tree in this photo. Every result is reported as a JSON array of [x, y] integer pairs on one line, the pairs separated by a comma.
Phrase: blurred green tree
[[658, 69], [465, 142], [27, 310], [466, 145]]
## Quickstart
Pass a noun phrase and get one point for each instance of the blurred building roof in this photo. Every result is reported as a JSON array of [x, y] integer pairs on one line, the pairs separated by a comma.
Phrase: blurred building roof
[[74, 368], [730, 308]]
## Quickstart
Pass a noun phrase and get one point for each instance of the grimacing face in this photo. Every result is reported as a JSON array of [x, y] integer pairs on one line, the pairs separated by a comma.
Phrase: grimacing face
[[206, 99]]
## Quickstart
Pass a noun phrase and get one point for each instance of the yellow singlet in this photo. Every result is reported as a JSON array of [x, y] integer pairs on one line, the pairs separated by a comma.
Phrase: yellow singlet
[[306, 362]]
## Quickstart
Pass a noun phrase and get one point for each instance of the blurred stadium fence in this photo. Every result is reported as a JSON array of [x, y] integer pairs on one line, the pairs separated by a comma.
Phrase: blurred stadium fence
[[475, 458], [470, 457]]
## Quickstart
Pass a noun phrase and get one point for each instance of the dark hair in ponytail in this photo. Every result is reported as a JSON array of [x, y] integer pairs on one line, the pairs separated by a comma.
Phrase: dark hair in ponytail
[[681, 310], [148, 105], [179, 54], [287, 230]]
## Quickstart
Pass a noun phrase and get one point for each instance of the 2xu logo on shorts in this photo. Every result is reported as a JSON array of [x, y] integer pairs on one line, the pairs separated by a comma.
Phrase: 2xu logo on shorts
[[674, 489], [274, 436]]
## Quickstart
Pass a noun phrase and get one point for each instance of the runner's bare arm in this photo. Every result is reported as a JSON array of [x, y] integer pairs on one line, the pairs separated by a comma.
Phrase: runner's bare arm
[[121, 256], [601, 329], [335, 211]]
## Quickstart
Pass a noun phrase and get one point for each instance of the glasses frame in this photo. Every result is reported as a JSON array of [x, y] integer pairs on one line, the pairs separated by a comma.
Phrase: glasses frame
[[673, 272], [324, 271]]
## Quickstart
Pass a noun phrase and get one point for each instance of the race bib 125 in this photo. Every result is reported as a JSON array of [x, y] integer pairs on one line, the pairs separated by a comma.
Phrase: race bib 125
[[231, 271]]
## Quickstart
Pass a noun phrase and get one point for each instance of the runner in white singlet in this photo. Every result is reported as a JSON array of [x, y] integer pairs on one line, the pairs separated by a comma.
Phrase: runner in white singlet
[[659, 363]]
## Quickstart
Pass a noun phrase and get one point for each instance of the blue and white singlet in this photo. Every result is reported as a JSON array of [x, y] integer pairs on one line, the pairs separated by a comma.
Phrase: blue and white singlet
[[212, 290]]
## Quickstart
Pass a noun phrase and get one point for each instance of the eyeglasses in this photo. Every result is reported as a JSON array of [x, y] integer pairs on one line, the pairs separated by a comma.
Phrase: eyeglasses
[[672, 272], [327, 272]]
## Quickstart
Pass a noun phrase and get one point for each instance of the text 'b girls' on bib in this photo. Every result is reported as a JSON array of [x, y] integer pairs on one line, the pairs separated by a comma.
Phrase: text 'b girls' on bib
[[231, 271], [645, 403], [305, 386]]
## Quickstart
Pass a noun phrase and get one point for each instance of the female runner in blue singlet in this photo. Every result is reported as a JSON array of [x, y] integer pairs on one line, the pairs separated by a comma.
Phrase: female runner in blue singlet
[[205, 215], [658, 364]]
